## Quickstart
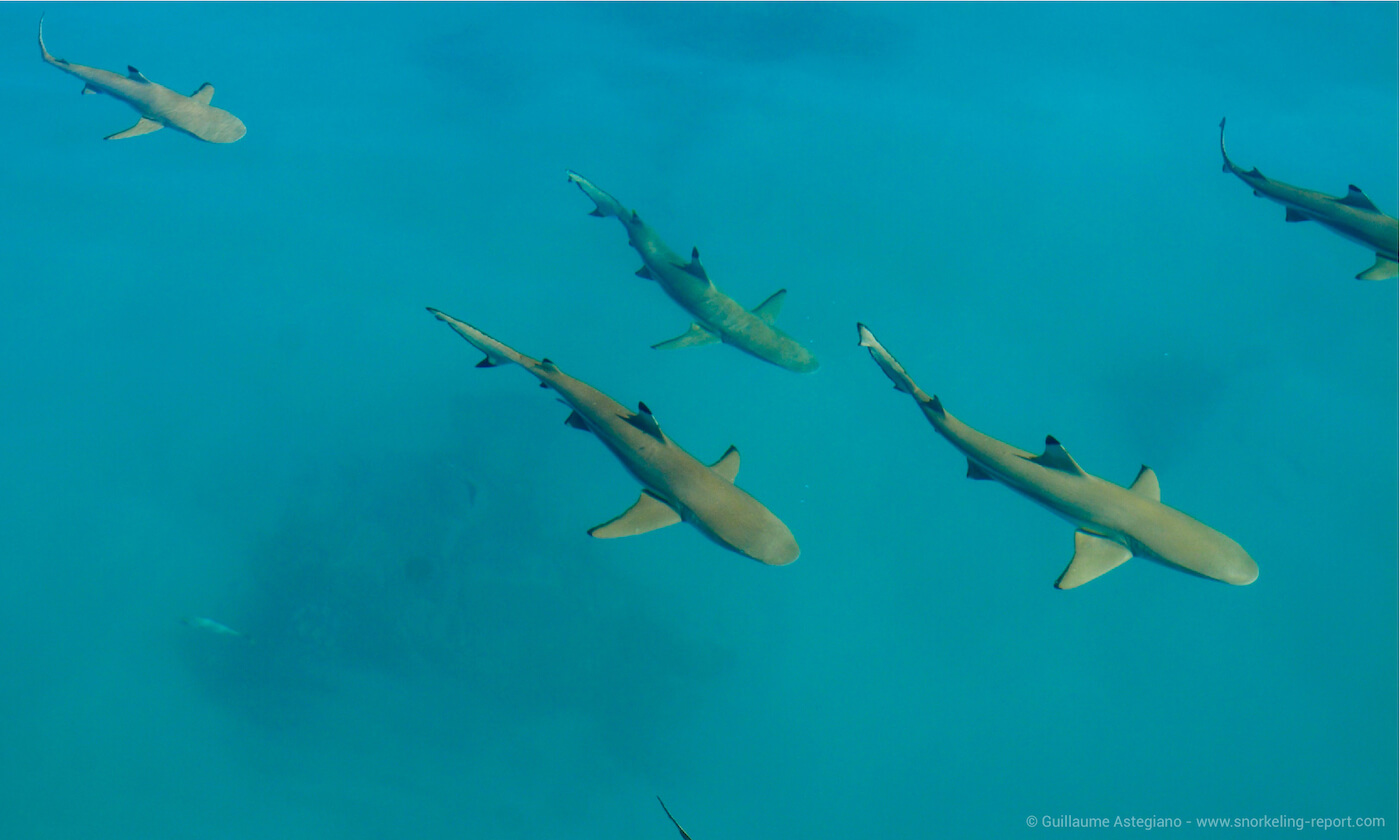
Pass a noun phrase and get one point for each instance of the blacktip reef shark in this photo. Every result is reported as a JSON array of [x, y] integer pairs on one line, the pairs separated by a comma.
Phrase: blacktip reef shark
[[1354, 216], [159, 106], [673, 819], [717, 316], [675, 486], [1113, 523], [209, 625]]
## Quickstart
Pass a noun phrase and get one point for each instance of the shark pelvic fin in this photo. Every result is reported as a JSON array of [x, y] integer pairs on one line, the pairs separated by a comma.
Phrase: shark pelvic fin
[[696, 336], [644, 420], [488, 362], [728, 464], [694, 267], [575, 420], [1056, 458], [1291, 215], [976, 473], [1146, 484], [1093, 556], [204, 94], [88, 90], [767, 311], [1384, 269], [143, 126], [1356, 198], [645, 273], [648, 514]]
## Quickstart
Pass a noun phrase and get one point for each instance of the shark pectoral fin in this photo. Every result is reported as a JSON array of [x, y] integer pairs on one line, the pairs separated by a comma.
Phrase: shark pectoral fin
[[767, 311], [693, 337], [1356, 198], [1056, 458], [976, 473], [648, 514], [143, 126], [1146, 484], [204, 94], [575, 420], [1384, 269], [1093, 556], [1291, 215], [89, 89], [728, 465]]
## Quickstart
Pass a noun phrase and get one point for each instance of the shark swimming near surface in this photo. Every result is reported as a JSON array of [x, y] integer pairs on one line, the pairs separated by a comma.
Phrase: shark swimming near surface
[[1113, 523], [718, 316], [673, 819], [675, 486], [1354, 216], [159, 106]]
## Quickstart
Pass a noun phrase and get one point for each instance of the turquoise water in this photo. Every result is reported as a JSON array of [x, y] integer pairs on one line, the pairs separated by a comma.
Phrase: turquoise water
[[224, 399]]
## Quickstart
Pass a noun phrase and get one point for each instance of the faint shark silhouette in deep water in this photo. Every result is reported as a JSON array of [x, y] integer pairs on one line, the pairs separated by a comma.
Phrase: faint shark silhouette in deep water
[[1354, 216], [673, 819], [1113, 523], [159, 106], [209, 625], [676, 486], [718, 316]]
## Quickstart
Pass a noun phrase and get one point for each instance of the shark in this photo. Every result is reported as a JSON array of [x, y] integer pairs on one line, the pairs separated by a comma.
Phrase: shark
[[209, 625], [673, 820], [718, 318], [159, 106], [1353, 215], [675, 486], [1112, 524]]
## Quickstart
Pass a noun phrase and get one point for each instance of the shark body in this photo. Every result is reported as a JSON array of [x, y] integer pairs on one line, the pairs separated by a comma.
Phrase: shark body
[[675, 485], [209, 625], [1353, 216], [717, 316], [1113, 523], [159, 106]]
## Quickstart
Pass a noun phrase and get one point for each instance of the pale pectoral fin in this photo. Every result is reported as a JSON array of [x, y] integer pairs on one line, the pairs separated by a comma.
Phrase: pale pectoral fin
[[696, 336], [769, 309], [1384, 269], [204, 94], [143, 126], [1056, 458], [648, 514], [1093, 556], [728, 465], [1291, 215], [1146, 484]]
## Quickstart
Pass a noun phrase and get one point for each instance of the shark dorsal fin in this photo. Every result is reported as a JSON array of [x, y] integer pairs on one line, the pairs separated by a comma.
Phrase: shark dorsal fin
[[648, 514], [694, 267], [1146, 484], [204, 94], [1056, 458], [135, 75], [644, 420], [767, 311], [1093, 556], [1356, 198], [728, 465], [548, 367]]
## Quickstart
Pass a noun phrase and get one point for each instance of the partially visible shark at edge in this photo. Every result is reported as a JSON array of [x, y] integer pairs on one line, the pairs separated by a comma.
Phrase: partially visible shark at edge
[[1354, 216], [676, 487], [718, 316], [159, 106], [1113, 523], [673, 820]]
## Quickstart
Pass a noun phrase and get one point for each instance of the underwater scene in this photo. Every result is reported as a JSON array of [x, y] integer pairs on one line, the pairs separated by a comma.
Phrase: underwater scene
[[379, 376]]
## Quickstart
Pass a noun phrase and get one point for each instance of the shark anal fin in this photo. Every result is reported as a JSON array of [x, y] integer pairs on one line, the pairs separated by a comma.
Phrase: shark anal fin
[[728, 465], [645, 273], [648, 514], [976, 473], [204, 94], [1093, 556], [1056, 458], [1291, 215], [1356, 198], [143, 126], [696, 336], [644, 421], [575, 420], [767, 311], [1146, 484], [1384, 269], [487, 362]]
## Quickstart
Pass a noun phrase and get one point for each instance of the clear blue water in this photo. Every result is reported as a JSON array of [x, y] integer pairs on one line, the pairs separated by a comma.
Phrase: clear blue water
[[223, 398]]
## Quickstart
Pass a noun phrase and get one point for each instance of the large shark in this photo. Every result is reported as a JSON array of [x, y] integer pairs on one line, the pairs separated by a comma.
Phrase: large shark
[[159, 106], [673, 820], [1114, 523], [717, 316], [1353, 216], [675, 486]]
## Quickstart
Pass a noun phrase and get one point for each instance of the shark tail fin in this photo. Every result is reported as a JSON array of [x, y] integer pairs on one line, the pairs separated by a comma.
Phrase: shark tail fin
[[496, 352], [43, 51], [673, 819], [895, 371], [604, 205]]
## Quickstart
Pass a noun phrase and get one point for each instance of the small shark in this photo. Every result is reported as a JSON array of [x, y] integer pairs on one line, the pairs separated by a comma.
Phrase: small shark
[[675, 485], [1114, 523], [1353, 216], [209, 625], [673, 819], [718, 316], [158, 106]]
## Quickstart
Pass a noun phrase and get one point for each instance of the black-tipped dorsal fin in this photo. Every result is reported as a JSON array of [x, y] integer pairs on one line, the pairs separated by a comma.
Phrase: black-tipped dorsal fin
[[1056, 458], [694, 267], [135, 75], [1356, 198], [1146, 484], [547, 366], [728, 464], [644, 421]]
